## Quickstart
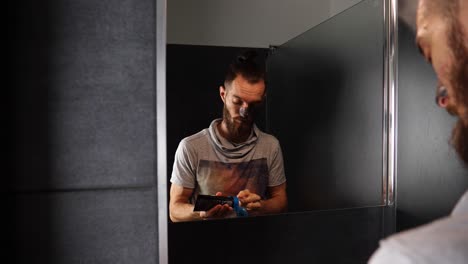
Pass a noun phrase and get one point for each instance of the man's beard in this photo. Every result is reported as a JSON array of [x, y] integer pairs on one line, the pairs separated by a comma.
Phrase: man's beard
[[238, 131], [459, 82]]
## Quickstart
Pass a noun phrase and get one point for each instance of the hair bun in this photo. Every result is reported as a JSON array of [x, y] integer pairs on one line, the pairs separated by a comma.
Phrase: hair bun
[[247, 56]]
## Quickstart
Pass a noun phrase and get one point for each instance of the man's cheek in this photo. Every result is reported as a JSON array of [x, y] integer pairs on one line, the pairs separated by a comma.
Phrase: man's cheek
[[442, 70]]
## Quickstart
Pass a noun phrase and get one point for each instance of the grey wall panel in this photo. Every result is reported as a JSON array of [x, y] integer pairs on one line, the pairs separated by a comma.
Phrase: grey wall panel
[[325, 105], [83, 117], [85, 227], [430, 176], [84, 93]]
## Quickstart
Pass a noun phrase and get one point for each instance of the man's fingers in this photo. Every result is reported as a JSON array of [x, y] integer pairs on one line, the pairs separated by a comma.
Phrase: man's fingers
[[218, 211], [243, 193], [245, 197], [225, 209], [251, 198], [213, 211], [254, 205]]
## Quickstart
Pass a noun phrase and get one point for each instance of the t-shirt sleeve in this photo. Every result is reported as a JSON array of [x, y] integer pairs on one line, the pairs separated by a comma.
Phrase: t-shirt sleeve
[[441, 241], [461, 208], [388, 254], [184, 169], [277, 175]]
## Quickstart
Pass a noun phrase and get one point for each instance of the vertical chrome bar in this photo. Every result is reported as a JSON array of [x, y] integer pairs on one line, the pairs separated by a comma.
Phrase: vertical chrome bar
[[161, 143], [385, 104], [390, 101], [393, 103]]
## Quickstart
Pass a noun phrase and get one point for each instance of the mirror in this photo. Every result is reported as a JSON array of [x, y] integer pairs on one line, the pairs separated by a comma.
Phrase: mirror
[[325, 96]]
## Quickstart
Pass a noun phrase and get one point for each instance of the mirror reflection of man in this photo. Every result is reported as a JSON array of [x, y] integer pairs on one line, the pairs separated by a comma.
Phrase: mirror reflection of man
[[232, 157], [442, 37]]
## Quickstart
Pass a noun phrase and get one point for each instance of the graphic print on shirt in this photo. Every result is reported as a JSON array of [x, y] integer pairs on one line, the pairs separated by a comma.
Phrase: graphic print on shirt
[[231, 178]]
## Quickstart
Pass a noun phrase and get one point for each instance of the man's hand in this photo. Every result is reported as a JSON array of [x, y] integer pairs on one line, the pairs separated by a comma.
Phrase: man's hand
[[276, 203], [219, 211], [249, 200]]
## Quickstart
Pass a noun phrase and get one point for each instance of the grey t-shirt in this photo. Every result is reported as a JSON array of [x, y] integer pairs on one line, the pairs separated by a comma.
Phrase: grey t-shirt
[[442, 241], [208, 163]]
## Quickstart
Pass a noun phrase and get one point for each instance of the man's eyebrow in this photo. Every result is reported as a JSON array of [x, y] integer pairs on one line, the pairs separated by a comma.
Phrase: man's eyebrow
[[254, 102]]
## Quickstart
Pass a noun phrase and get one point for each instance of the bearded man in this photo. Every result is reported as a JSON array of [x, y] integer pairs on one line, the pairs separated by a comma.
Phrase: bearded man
[[232, 157], [442, 38]]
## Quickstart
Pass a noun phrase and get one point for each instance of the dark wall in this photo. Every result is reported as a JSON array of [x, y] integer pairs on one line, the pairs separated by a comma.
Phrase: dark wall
[[326, 107], [82, 88], [335, 236], [430, 178]]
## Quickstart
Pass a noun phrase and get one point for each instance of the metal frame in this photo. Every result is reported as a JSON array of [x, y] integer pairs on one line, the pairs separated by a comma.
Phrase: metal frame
[[390, 102], [161, 142]]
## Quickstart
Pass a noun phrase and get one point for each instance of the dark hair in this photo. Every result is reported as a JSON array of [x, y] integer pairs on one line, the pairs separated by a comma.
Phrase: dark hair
[[245, 64]]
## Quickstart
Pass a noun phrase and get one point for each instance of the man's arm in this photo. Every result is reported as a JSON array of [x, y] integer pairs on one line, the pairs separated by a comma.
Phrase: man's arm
[[180, 208], [277, 203]]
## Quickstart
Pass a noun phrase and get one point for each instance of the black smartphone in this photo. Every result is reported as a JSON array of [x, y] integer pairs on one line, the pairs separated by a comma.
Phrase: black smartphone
[[206, 202]]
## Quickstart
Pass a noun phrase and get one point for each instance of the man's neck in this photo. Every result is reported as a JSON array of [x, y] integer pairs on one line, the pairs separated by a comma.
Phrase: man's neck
[[224, 132]]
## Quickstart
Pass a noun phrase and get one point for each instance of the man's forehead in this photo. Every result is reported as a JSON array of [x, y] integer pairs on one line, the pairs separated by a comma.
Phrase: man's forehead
[[437, 8], [422, 24], [241, 88], [425, 18], [424, 12]]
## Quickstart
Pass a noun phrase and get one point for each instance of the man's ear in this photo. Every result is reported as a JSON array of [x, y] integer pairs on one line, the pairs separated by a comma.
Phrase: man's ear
[[222, 93]]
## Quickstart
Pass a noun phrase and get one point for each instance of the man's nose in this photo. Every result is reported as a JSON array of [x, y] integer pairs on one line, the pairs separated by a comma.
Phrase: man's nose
[[244, 111], [442, 99]]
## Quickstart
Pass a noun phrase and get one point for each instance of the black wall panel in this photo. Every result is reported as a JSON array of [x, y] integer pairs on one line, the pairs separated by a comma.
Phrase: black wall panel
[[325, 105], [431, 178], [335, 236], [85, 227]]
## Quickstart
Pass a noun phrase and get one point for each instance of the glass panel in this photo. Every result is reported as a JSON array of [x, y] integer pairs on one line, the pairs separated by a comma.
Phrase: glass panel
[[325, 105]]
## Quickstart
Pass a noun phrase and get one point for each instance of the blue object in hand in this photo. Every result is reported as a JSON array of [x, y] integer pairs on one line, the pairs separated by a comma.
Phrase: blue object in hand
[[240, 211]]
